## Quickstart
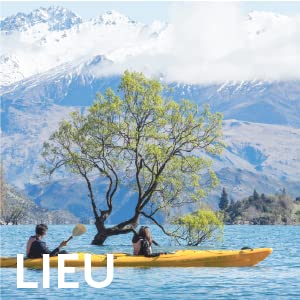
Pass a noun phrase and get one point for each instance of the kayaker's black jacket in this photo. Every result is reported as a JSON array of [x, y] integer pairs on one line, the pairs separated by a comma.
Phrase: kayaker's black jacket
[[38, 248]]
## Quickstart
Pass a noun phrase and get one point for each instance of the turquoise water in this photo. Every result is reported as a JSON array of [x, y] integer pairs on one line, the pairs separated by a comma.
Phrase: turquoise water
[[278, 277]]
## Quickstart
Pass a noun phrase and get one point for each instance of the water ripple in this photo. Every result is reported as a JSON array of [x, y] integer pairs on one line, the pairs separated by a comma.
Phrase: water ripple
[[275, 278]]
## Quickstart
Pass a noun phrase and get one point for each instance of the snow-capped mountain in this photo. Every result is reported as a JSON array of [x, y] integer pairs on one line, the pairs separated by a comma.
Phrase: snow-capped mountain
[[54, 18], [47, 38], [253, 101], [112, 18]]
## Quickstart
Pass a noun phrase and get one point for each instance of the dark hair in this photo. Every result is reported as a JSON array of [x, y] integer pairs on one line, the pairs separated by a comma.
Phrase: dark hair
[[147, 234], [144, 233], [41, 229], [137, 236]]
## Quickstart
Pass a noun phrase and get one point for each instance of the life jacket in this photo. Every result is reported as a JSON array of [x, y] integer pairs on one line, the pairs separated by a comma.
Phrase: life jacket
[[29, 243], [38, 248]]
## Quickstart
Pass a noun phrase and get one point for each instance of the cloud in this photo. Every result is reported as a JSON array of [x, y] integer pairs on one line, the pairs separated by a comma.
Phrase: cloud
[[215, 42], [205, 43], [205, 39]]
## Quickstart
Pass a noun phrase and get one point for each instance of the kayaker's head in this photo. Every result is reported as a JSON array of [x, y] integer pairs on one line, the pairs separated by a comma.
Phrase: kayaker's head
[[41, 230], [142, 232]]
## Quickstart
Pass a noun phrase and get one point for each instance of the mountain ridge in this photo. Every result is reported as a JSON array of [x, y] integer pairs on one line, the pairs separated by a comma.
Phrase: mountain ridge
[[57, 18]]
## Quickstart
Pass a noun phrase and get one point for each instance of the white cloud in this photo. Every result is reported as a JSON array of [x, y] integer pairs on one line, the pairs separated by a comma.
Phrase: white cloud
[[206, 42], [214, 42]]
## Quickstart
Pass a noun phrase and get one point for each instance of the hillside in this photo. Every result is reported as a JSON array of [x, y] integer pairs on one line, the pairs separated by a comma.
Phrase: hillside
[[264, 210], [16, 208]]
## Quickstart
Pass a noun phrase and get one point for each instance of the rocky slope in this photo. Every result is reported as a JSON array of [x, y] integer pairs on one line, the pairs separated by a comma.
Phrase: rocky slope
[[16, 208]]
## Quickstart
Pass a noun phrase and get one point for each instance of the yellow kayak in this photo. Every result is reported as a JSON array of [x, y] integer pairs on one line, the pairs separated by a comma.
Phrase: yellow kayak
[[181, 258]]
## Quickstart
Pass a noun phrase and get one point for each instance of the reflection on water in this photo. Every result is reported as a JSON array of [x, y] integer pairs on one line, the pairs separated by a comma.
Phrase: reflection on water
[[275, 278]]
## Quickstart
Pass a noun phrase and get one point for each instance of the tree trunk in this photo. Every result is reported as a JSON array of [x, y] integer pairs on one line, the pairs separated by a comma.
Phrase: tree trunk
[[103, 232], [101, 235], [99, 238]]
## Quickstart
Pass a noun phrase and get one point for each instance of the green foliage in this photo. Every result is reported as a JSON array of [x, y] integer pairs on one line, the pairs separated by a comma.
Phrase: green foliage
[[199, 226], [255, 195], [263, 209], [138, 138]]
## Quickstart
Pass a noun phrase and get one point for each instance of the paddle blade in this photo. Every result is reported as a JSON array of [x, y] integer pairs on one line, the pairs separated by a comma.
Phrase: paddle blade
[[79, 229]]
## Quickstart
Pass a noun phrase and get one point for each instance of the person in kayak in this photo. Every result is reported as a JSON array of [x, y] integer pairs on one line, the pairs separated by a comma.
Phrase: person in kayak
[[33, 238], [142, 242], [136, 243], [36, 247]]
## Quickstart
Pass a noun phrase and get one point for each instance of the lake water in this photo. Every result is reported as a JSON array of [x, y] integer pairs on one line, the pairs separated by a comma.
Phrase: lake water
[[278, 277]]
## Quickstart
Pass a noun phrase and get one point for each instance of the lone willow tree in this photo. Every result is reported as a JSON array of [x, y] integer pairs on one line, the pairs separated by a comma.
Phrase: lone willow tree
[[139, 139]]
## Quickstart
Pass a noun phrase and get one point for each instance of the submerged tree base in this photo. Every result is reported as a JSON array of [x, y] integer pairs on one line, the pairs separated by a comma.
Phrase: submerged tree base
[[99, 239]]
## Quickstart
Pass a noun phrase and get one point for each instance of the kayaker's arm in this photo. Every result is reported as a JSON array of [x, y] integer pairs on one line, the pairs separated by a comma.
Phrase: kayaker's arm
[[56, 250], [45, 250]]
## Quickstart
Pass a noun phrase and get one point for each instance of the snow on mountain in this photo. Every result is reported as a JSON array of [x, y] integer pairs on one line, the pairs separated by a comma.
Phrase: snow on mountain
[[260, 22], [112, 18], [76, 83], [54, 84], [10, 69], [47, 38], [55, 18], [254, 101]]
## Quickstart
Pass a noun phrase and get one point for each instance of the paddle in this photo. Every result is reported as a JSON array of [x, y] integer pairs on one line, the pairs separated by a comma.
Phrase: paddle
[[78, 230], [155, 243]]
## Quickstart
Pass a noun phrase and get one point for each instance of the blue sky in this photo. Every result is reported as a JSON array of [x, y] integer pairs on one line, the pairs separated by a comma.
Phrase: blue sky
[[143, 11]]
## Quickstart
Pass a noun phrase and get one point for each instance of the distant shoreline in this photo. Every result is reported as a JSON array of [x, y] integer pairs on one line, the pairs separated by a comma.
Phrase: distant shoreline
[[279, 209]]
